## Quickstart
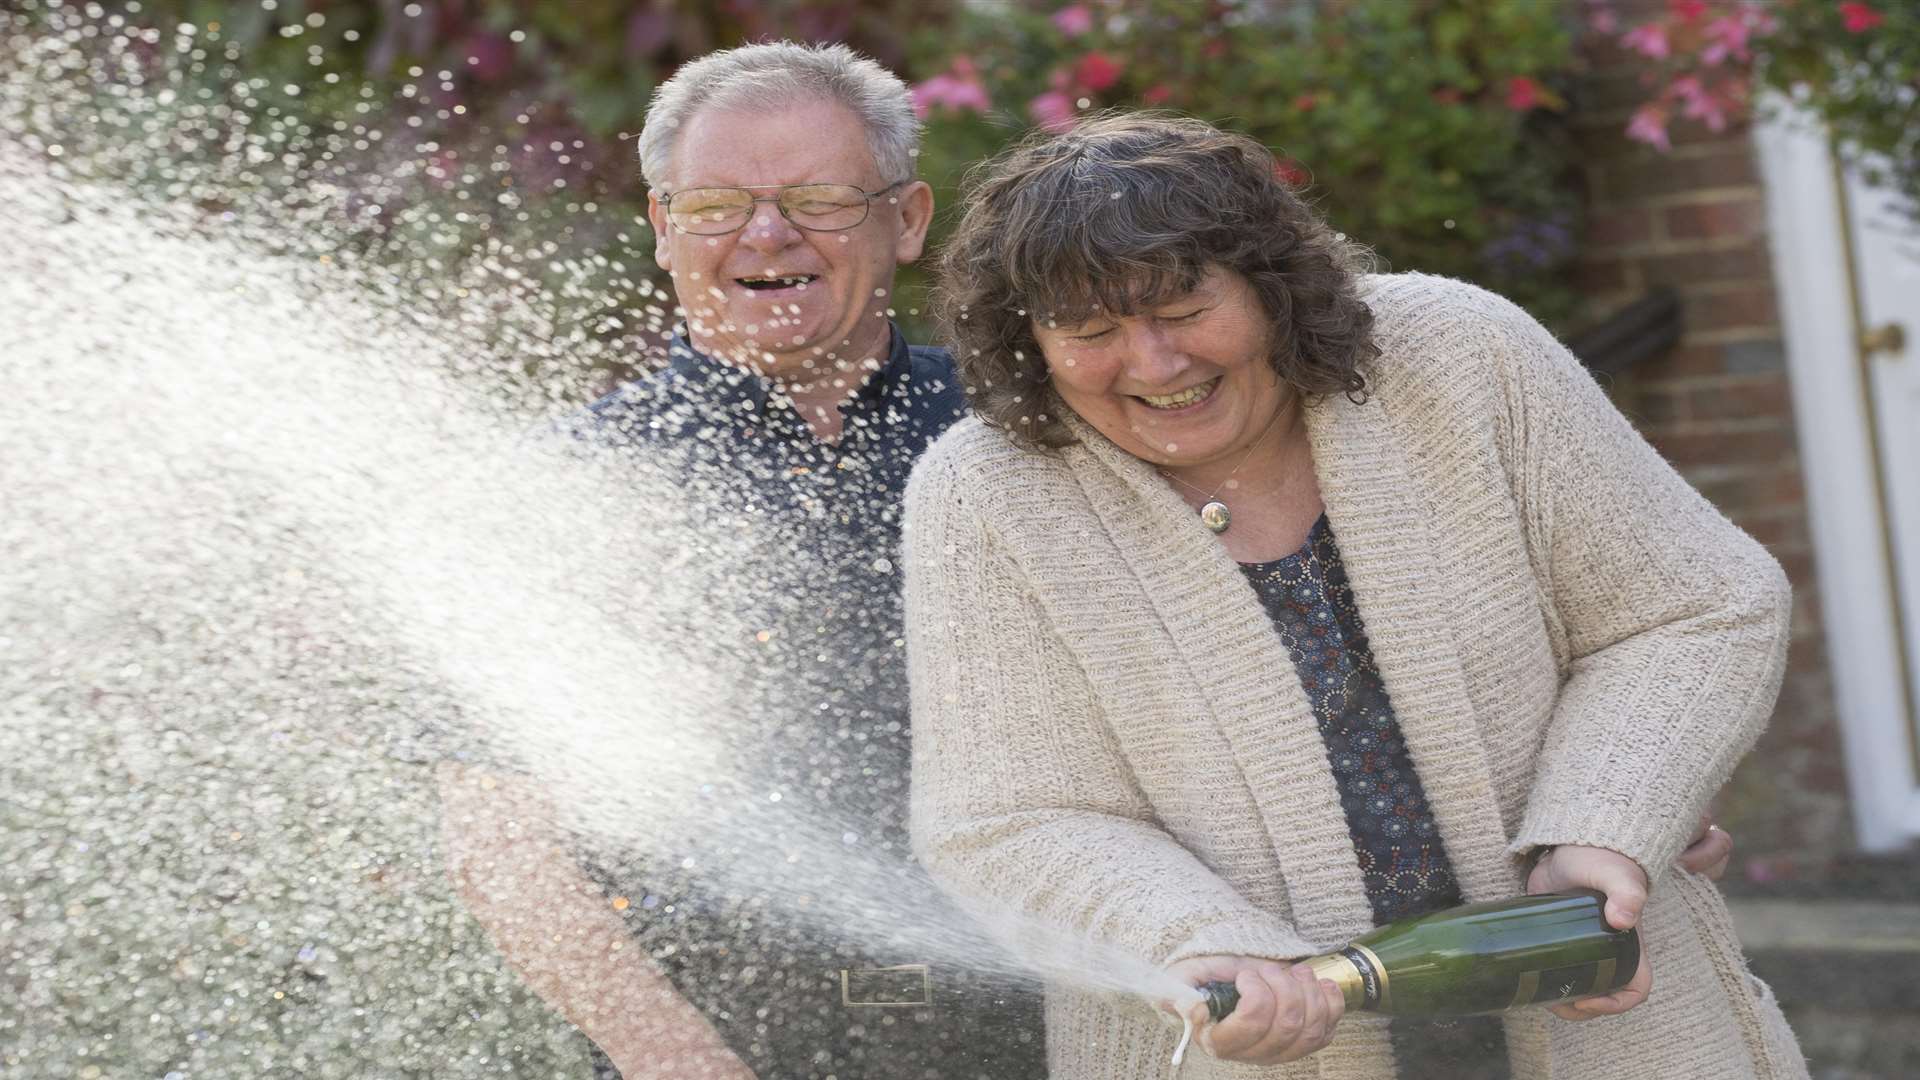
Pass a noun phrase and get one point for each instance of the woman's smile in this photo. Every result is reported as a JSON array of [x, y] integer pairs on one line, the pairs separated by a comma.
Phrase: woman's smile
[[1182, 399]]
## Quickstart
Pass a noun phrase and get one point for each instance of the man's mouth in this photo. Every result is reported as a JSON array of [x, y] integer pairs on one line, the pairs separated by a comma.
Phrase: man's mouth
[[776, 284], [1192, 395]]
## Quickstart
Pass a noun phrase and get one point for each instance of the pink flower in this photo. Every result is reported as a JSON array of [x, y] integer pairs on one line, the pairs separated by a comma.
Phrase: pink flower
[[958, 88], [1096, 71], [1073, 20], [1523, 94], [1687, 11], [1053, 111], [1603, 21], [1726, 36], [1649, 41], [1157, 93], [1696, 103], [1859, 18], [1292, 173], [1649, 125]]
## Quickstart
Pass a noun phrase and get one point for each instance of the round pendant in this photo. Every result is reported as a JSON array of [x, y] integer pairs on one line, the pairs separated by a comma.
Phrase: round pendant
[[1215, 516]]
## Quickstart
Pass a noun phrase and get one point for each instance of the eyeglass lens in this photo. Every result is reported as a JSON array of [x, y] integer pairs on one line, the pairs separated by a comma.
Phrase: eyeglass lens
[[821, 207]]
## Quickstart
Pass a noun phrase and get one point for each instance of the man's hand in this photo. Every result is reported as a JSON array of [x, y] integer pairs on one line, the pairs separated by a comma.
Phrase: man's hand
[[1284, 1012], [1710, 851], [1571, 866]]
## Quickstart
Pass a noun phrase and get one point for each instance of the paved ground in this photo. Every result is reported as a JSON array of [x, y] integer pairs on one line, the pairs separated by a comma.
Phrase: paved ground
[[1847, 973]]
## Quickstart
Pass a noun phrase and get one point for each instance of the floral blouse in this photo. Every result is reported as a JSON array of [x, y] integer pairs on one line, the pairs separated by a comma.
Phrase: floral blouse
[[1402, 857]]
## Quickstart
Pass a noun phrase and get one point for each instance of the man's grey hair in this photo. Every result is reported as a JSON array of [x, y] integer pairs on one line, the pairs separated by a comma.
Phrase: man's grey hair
[[776, 75]]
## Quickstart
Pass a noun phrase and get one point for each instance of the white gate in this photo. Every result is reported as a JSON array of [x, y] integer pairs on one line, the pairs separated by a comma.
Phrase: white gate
[[1847, 265]]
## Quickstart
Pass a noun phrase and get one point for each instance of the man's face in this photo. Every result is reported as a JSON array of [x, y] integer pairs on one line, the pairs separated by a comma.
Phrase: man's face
[[738, 306]]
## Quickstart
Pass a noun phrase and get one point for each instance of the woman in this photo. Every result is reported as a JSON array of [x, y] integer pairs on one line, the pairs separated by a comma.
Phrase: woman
[[1264, 600]]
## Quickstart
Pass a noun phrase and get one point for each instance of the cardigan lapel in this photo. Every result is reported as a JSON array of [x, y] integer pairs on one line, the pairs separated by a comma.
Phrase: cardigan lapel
[[1382, 524], [1219, 637]]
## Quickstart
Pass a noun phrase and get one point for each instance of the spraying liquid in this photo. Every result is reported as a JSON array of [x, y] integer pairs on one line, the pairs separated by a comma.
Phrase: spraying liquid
[[278, 539]]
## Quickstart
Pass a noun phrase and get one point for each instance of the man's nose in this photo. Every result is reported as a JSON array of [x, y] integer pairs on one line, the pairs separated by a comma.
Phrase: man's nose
[[768, 230]]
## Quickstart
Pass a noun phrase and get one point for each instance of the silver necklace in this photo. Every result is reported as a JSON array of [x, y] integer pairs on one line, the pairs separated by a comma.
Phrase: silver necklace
[[1214, 513]]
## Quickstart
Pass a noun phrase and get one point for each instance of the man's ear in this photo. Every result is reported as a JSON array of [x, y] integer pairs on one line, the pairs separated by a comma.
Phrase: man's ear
[[657, 217], [916, 214]]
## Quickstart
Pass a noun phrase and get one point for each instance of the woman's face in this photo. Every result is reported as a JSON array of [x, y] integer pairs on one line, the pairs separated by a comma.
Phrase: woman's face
[[1185, 384]]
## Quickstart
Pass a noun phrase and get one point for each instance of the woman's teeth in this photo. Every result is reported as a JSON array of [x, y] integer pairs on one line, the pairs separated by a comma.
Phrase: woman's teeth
[[1182, 399]]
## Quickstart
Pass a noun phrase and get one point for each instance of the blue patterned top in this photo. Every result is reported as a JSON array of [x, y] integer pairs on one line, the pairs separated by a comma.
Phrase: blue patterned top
[[1402, 858], [1401, 854]]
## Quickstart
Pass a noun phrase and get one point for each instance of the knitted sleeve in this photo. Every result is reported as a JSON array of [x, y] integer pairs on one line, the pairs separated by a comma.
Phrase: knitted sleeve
[[1674, 621], [1023, 806]]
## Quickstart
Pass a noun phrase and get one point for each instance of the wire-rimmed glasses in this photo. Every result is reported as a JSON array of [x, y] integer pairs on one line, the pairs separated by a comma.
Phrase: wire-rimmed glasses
[[716, 211]]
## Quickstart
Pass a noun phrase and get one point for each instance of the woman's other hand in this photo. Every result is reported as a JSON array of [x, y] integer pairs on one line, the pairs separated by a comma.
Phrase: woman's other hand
[[1572, 866], [1709, 852], [1284, 1012]]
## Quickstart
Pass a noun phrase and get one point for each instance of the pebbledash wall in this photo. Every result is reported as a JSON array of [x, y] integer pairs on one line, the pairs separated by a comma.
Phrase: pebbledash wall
[[1718, 406]]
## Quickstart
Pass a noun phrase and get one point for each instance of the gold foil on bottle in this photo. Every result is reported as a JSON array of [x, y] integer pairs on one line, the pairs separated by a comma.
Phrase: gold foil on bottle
[[1343, 974]]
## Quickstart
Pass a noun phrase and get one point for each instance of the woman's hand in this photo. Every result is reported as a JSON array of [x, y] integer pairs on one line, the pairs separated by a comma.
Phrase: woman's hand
[[1284, 1012], [1709, 852], [1572, 866]]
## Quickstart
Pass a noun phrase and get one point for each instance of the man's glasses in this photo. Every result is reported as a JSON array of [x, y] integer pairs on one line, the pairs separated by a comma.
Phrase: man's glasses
[[717, 211]]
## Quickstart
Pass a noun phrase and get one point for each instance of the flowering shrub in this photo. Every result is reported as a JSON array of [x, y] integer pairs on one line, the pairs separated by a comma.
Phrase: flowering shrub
[[1855, 63], [1428, 131]]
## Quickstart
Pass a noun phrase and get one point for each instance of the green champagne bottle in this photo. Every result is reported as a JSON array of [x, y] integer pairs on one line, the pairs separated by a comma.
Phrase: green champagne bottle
[[1477, 958]]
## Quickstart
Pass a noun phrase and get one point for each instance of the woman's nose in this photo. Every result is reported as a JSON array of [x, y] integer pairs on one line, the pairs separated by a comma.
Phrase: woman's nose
[[1155, 356]]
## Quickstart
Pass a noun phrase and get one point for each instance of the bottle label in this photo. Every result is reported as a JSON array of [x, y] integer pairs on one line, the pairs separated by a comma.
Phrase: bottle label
[[1373, 981], [1549, 985]]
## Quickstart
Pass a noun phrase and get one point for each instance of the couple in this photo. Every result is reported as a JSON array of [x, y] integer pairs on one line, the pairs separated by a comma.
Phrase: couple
[[1519, 652]]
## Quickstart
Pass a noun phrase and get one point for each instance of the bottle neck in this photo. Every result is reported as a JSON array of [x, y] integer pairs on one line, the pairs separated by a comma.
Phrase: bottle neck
[[1357, 972]]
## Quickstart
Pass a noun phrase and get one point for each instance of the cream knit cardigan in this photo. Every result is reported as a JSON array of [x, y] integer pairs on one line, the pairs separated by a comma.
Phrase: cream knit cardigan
[[1110, 739]]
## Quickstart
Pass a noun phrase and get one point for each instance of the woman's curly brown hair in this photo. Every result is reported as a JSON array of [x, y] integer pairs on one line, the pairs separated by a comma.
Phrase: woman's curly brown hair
[[1119, 215]]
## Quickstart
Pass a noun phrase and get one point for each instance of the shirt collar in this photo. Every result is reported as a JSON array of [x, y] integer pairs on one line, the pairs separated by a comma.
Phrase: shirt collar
[[731, 384]]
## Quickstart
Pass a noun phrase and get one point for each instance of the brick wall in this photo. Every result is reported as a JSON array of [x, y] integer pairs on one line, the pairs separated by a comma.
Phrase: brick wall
[[1718, 406]]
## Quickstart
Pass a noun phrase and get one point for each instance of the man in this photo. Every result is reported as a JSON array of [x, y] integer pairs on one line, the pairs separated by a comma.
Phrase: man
[[783, 198]]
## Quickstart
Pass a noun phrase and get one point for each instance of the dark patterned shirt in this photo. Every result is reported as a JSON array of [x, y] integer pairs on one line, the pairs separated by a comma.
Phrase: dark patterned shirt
[[1402, 858], [823, 728]]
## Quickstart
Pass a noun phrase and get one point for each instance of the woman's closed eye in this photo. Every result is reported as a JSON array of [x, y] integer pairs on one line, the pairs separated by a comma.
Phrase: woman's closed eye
[[1087, 336]]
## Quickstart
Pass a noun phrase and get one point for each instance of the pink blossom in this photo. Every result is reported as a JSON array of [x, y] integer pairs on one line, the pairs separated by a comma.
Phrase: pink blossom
[[1157, 93], [1053, 111], [1687, 11], [1523, 94], [1073, 20], [958, 88], [1859, 18], [1726, 37], [1603, 21], [1696, 103], [1649, 40], [1097, 71], [1649, 125]]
